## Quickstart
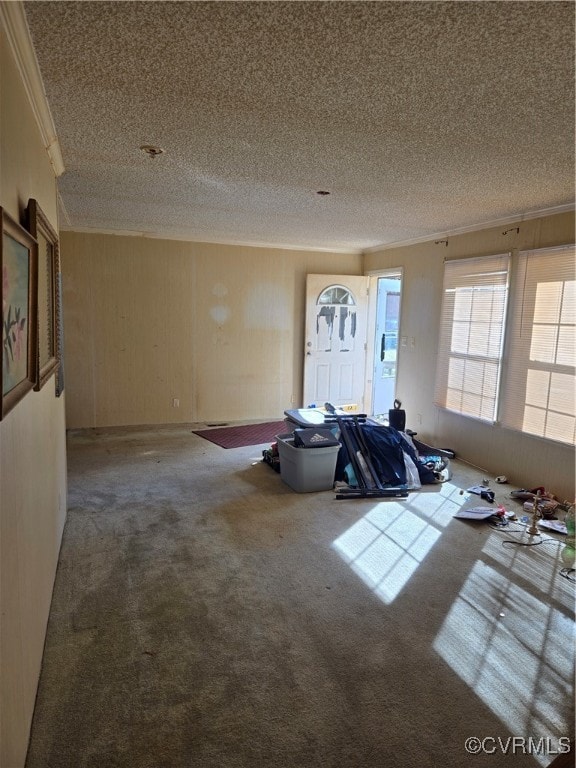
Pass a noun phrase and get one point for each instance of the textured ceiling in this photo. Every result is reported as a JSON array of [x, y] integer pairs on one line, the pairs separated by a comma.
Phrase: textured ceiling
[[419, 118]]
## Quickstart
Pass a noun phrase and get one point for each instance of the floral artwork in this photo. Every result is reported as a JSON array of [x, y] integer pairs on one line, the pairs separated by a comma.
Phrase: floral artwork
[[15, 321], [19, 268]]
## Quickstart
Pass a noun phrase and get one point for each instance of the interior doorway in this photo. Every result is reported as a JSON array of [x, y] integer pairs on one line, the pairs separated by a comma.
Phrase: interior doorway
[[387, 327]]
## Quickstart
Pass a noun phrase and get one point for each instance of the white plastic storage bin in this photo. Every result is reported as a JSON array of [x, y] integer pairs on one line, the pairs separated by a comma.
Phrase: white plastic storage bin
[[306, 469]]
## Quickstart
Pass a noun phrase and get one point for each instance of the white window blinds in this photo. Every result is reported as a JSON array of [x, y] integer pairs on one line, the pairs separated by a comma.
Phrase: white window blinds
[[539, 383], [471, 335]]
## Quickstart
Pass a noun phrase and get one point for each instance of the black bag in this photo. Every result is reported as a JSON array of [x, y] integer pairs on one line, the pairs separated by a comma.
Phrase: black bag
[[397, 417]]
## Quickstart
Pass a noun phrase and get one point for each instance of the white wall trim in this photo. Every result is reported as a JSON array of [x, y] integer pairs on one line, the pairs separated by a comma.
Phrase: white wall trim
[[291, 247], [192, 239], [474, 228], [63, 215], [14, 22]]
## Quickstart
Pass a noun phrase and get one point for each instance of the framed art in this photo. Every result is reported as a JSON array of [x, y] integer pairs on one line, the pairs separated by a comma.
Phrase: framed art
[[47, 355], [19, 264]]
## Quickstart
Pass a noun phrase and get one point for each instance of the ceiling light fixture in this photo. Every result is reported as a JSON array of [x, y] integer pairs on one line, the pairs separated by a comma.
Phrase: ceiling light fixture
[[151, 150]]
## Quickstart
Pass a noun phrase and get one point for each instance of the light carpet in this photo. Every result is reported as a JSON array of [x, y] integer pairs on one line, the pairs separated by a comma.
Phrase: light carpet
[[206, 616]]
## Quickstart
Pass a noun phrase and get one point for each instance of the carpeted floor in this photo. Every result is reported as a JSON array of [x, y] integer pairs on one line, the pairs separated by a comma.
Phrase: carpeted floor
[[206, 616], [244, 434]]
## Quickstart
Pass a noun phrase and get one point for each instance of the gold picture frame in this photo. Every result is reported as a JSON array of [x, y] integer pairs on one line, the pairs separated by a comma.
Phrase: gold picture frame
[[48, 347], [19, 268]]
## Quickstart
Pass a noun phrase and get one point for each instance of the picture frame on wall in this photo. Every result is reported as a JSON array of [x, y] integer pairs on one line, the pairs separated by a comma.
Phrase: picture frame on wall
[[48, 349], [59, 383], [19, 268]]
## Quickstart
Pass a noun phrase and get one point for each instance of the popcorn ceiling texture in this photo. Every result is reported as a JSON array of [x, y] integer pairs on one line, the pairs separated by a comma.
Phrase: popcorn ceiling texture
[[418, 117]]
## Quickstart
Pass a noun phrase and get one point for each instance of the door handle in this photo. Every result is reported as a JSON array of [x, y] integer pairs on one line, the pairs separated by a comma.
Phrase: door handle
[[383, 347]]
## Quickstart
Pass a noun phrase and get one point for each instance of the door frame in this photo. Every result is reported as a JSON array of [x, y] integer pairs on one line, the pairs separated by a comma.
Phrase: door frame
[[371, 329]]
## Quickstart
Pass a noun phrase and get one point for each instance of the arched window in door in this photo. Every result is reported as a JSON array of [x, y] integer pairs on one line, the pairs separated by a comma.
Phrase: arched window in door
[[336, 294], [336, 319]]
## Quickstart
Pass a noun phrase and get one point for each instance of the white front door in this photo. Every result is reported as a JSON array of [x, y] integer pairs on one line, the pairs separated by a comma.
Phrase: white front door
[[335, 341]]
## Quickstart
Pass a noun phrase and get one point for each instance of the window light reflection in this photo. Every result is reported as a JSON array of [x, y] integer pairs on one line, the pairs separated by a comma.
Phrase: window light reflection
[[513, 650], [386, 546], [539, 566], [439, 505]]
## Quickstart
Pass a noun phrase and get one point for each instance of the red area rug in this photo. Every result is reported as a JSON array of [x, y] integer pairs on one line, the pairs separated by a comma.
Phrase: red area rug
[[247, 434]]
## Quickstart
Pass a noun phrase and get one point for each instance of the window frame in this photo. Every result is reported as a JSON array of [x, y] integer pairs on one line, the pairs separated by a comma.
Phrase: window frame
[[519, 343], [473, 274]]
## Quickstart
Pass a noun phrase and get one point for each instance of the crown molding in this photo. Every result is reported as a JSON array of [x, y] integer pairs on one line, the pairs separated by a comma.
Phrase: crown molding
[[204, 240], [504, 222], [15, 25], [63, 215]]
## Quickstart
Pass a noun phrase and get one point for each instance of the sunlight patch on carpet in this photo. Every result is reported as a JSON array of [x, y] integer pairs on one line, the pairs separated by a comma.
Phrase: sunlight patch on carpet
[[386, 546], [516, 652], [441, 506]]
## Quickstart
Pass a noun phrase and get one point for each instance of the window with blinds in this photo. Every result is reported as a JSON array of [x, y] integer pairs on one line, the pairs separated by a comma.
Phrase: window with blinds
[[471, 335], [539, 385]]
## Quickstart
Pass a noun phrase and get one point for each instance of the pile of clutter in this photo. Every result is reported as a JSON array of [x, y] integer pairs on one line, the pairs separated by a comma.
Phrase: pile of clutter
[[548, 504], [271, 456], [538, 503]]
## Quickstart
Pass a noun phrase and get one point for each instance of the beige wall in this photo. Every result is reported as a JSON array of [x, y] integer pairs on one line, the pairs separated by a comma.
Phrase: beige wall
[[218, 327], [526, 461], [32, 454]]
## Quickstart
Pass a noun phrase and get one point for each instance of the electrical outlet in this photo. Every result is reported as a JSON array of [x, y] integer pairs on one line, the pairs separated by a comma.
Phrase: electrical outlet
[[418, 418], [293, 399], [175, 403]]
